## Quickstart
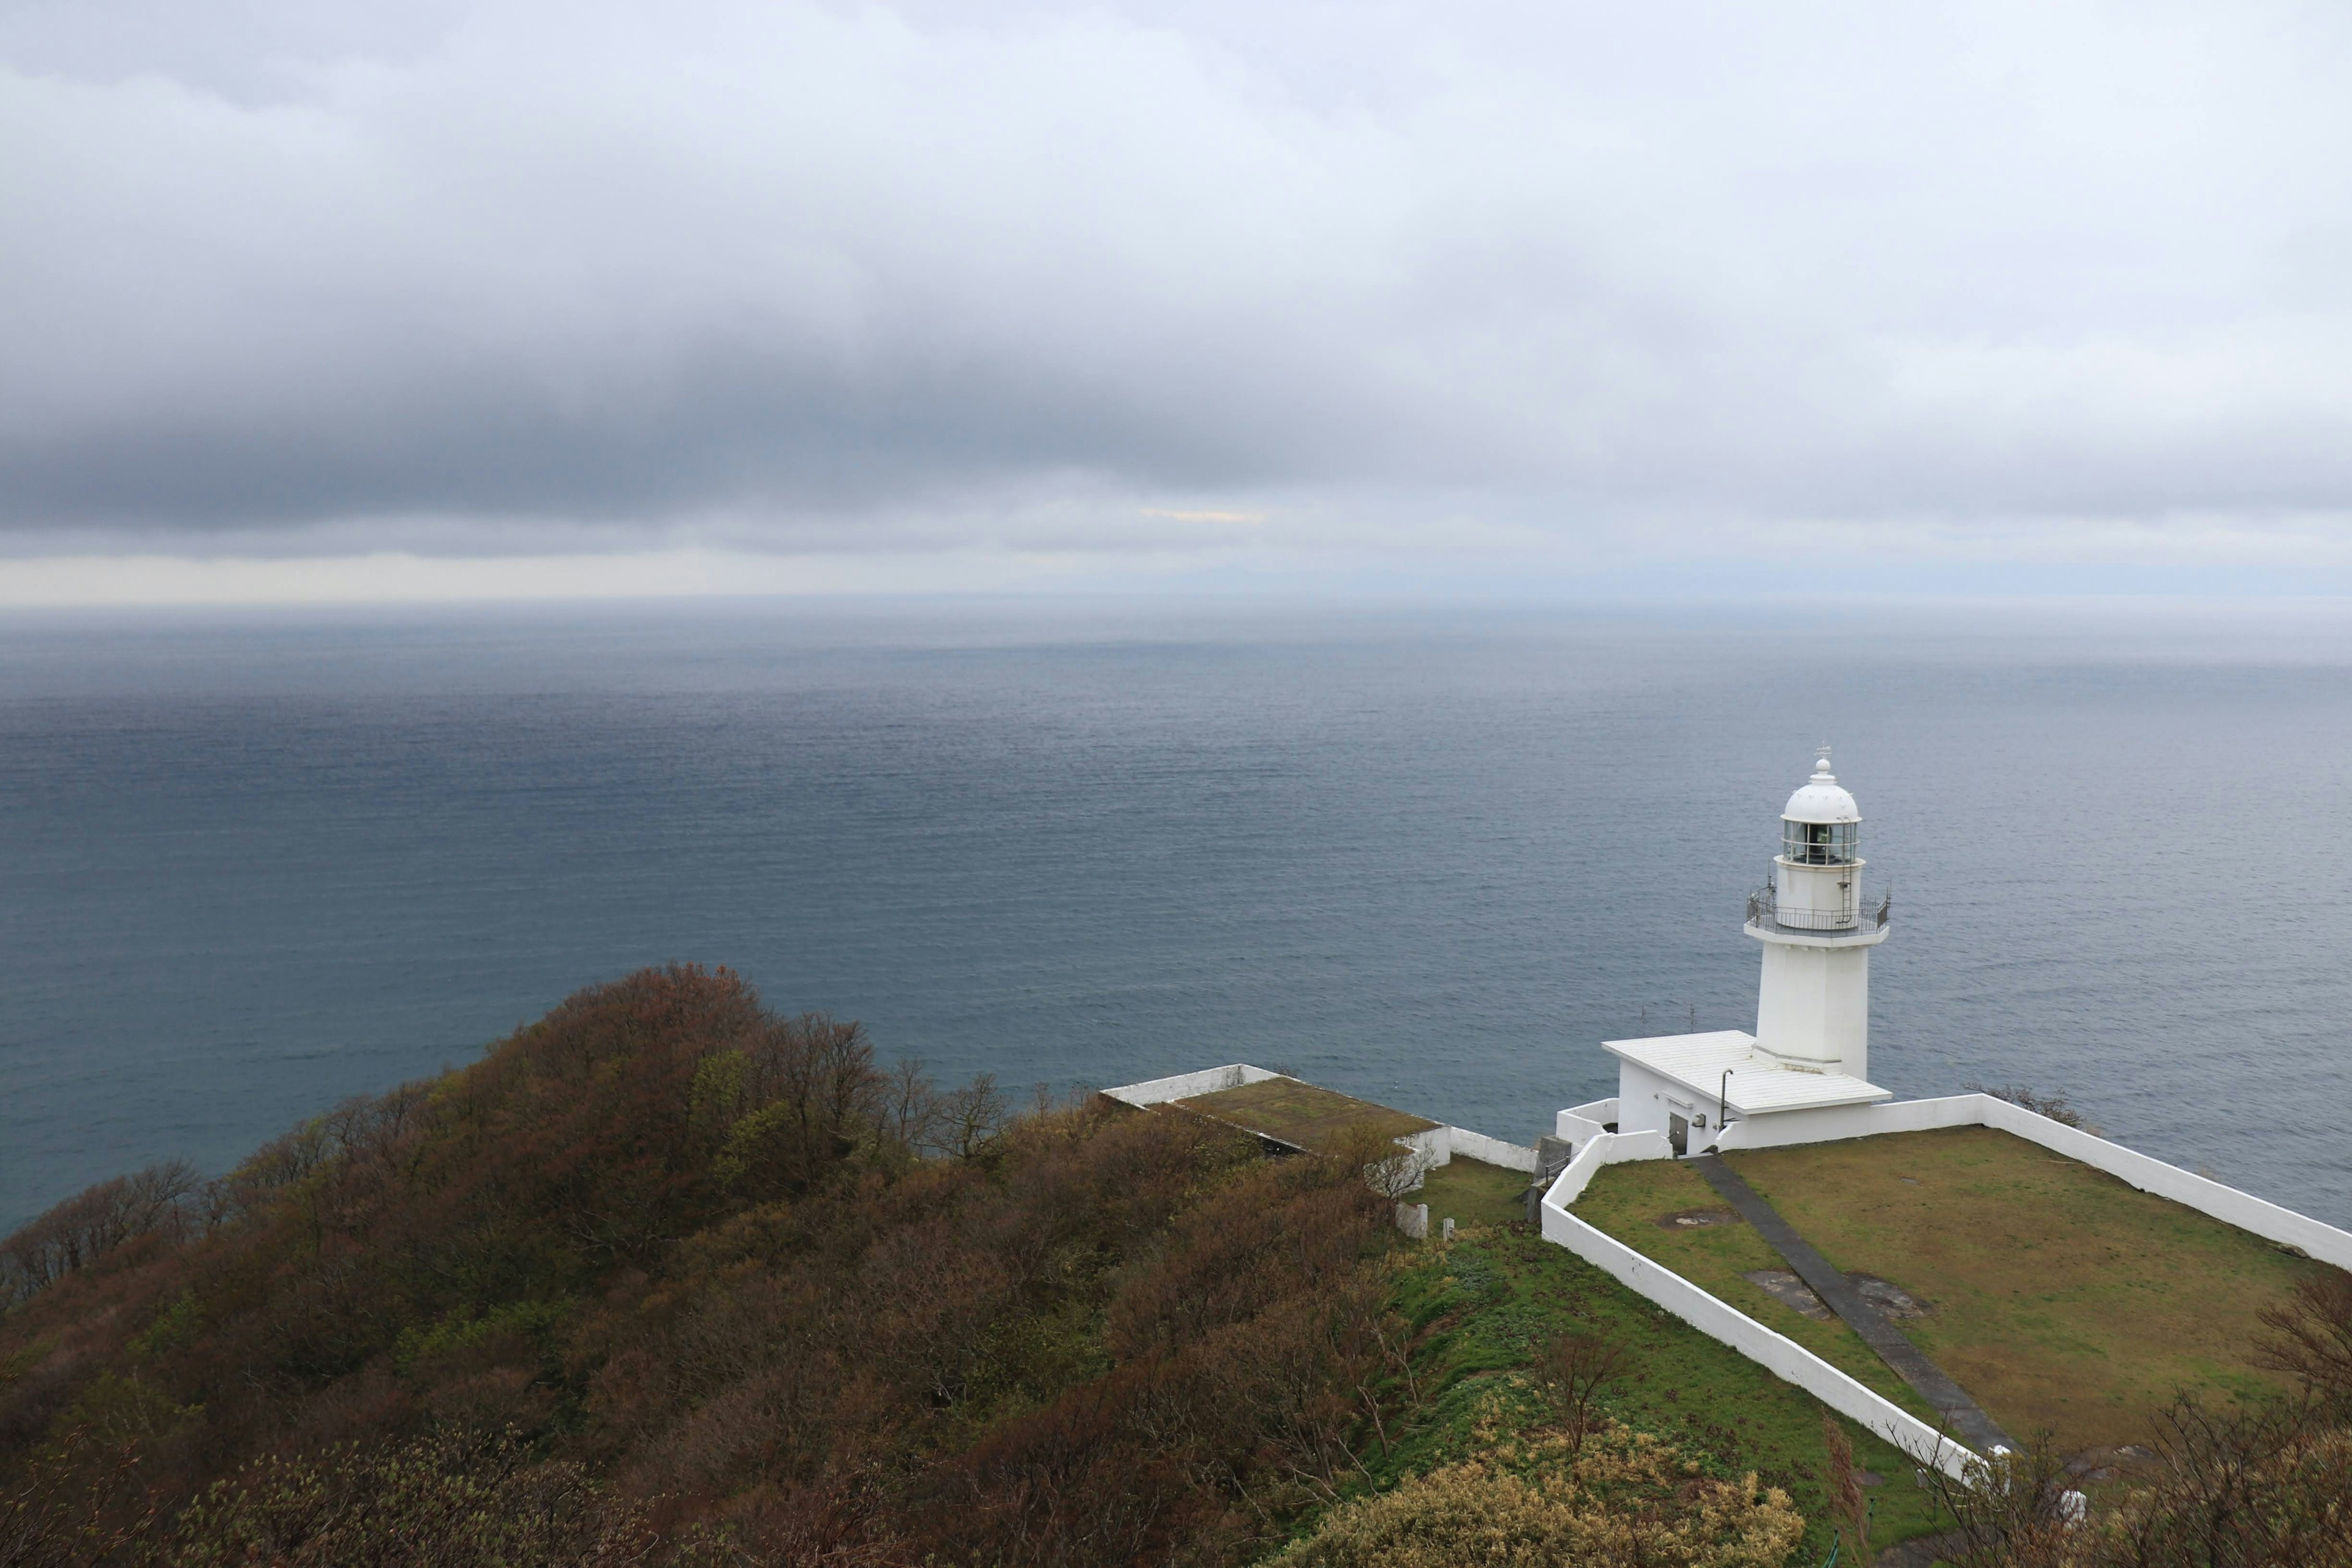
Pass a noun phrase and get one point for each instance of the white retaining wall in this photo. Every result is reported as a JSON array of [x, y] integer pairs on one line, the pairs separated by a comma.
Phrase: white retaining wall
[[1492, 1151], [1595, 1152], [1437, 1146], [1790, 1360], [1578, 1122], [1432, 1148], [1718, 1320]]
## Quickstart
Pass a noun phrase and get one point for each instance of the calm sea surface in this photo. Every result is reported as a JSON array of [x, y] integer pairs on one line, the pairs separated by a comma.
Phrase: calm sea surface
[[251, 866]]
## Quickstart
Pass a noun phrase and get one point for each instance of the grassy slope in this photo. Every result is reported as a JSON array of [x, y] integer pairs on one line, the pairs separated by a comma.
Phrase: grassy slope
[[1498, 1293], [1626, 1200], [2067, 1300], [1471, 1192]]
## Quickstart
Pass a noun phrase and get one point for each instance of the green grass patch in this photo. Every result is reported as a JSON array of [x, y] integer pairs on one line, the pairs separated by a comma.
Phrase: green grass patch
[[2064, 1300], [1628, 1201], [1487, 1304], [1471, 1192]]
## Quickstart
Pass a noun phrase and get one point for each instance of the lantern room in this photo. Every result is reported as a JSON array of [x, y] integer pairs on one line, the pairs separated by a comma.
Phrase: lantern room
[[1817, 877]]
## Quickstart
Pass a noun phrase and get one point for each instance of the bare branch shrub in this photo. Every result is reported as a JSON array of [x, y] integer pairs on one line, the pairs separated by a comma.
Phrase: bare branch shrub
[[93, 1223], [970, 1118], [2249, 1486], [2011, 1510], [1572, 1371], [2309, 1337], [1844, 1487], [75, 1504], [1390, 1168]]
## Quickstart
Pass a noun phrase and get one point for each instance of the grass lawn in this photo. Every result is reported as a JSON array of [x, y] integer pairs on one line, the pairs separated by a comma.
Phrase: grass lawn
[[2064, 1300], [1487, 1303], [1471, 1192], [1627, 1200], [1301, 1113]]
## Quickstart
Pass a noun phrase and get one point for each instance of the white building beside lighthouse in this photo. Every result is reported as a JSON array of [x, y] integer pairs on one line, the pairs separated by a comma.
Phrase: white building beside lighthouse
[[1806, 1068]]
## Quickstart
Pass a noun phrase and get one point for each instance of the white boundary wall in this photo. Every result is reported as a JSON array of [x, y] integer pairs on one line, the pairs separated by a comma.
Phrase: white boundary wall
[[1791, 1362], [2226, 1203], [1437, 1146], [1718, 1320], [1185, 1084], [1578, 1122], [1492, 1151], [1432, 1147]]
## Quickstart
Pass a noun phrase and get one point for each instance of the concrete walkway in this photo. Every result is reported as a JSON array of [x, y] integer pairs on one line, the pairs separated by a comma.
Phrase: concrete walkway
[[1969, 1424]]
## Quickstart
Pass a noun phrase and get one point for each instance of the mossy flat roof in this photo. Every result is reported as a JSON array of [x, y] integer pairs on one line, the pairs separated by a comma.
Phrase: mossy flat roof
[[2062, 1298], [1302, 1113]]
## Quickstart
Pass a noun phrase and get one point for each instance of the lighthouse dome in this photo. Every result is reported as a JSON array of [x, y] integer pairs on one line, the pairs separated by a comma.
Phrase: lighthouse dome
[[1822, 799]]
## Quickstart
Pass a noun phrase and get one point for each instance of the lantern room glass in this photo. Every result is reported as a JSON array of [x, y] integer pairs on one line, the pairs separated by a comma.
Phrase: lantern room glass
[[1820, 843]]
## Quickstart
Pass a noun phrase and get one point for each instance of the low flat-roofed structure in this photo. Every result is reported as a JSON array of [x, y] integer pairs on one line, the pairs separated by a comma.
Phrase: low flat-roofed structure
[[1285, 1114], [1707, 1074], [1302, 1115]]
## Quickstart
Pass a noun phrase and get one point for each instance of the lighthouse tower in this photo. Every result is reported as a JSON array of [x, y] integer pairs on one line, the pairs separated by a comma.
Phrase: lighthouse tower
[[1812, 1008], [1804, 1074]]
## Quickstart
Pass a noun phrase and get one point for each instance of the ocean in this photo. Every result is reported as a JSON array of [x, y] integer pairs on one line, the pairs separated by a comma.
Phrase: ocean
[[258, 862]]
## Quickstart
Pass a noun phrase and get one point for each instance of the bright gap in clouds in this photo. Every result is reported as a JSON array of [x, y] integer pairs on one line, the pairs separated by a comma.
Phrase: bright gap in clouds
[[366, 301]]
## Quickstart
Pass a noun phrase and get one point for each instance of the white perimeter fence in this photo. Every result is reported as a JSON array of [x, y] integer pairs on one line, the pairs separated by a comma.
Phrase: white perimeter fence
[[1782, 1356], [2244, 1210], [1790, 1360]]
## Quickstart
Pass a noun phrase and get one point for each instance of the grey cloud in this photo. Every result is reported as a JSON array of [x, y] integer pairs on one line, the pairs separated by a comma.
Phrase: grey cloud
[[804, 274]]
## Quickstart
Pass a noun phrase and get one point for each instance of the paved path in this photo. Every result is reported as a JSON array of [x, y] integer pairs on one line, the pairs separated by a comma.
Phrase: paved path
[[1961, 1414]]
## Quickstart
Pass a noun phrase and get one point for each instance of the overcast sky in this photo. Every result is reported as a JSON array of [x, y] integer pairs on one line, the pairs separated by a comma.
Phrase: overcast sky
[[933, 296]]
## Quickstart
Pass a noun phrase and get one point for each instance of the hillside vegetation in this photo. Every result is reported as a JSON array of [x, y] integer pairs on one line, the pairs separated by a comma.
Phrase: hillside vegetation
[[666, 1277]]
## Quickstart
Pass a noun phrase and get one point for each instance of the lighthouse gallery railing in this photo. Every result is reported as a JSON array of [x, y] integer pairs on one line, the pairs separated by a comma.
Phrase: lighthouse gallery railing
[[1764, 910]]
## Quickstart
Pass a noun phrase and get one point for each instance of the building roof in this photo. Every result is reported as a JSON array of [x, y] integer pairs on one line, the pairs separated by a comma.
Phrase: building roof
[[1759, 1085], [1822, 799], [1303, 1114]]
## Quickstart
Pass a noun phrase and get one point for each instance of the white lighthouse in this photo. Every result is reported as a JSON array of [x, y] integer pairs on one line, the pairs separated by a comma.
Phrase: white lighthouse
[[1804, 1074], [1812, 1008]]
